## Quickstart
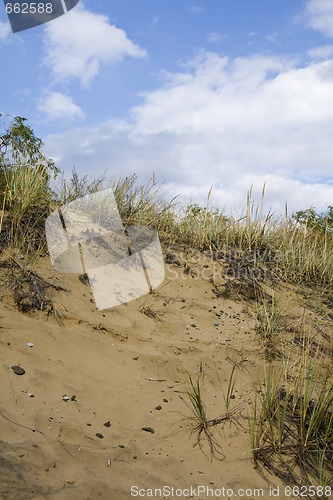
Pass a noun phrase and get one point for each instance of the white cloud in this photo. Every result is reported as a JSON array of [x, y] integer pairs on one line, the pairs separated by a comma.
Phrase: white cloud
[[225, 123], [195, 9], [4, 30], [319, 15], [155, 21], [323, 52], [58, 106], [216, 37], [272, 37], [76, 45]]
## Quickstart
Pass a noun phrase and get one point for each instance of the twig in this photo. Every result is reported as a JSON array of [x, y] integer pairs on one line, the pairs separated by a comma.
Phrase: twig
[[21, 425]]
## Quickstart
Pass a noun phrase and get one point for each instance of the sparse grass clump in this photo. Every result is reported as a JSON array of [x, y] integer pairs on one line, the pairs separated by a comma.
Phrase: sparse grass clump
[[77, 186], [203, 426], [199, 416], [144, 205], [29, 290], [269, 324], [292, 424]]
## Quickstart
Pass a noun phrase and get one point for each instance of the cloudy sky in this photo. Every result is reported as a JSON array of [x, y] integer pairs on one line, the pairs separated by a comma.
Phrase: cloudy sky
[[208, 93]]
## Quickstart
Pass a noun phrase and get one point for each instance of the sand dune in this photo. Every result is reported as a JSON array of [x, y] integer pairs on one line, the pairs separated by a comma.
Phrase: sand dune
[[126, 366]]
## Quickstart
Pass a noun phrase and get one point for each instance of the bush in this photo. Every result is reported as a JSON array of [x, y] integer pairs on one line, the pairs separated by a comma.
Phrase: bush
[[25, 194], [322, 222]]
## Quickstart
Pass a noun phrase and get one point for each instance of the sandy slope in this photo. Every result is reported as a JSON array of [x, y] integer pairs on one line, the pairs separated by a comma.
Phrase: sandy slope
[[127, 366]]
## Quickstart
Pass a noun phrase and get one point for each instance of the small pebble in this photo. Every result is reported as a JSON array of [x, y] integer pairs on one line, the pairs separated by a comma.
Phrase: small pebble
[[99, 435], [148, 429], [159, 407], [18, 370], [107, 424]]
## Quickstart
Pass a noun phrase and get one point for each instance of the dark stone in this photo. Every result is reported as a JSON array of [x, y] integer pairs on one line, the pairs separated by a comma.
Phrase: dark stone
[[18, 370], [148, 429]]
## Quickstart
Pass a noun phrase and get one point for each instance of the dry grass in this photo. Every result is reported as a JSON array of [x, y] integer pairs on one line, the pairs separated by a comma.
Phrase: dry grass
[[268, 247], [291, 425], [25, 198]]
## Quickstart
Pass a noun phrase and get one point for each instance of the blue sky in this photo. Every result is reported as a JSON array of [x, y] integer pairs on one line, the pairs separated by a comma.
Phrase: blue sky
[[216, 93]]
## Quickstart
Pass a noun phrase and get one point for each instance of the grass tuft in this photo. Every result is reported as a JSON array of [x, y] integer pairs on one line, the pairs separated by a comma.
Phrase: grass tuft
[[291, 426]]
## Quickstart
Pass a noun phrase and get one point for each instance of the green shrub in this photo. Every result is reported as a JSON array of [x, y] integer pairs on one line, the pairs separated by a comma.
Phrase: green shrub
[[25, 195], [322, 222]]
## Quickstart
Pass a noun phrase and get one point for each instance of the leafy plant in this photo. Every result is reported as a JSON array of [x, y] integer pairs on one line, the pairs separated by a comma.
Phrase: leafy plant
[[25, 195], [322, 222], [19, 145]]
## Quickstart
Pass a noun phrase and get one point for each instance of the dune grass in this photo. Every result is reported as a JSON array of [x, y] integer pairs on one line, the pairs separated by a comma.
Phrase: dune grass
[[291, 426], [280, 248], [25, 199], [202, 425]]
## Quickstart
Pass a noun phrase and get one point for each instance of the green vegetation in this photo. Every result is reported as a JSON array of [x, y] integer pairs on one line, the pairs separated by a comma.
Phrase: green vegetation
[[25, 195], [20, 146], [322, 222], [292, 424], [202, 425]]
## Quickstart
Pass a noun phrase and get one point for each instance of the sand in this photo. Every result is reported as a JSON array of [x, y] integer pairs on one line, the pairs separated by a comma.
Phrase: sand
[[128, 367]]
